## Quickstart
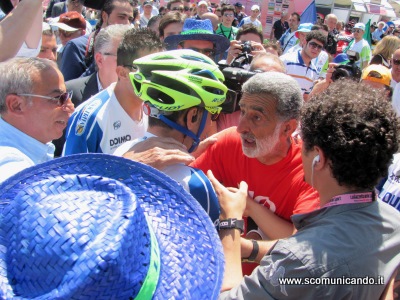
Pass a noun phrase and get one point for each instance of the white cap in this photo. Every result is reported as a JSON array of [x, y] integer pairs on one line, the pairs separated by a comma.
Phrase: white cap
[[46, 26], [359, 26], [202, 2], [255, 7]]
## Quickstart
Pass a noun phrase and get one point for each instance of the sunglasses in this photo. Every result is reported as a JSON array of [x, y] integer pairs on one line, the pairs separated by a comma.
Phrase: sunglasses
[[66, 33], [60, 100], [178, 8], [356, 30], [208, 52], [315, 46], [396, 61], [228, 15]]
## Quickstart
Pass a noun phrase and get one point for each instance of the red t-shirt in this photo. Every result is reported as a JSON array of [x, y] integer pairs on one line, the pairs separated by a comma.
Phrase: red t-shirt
[[280, 187]]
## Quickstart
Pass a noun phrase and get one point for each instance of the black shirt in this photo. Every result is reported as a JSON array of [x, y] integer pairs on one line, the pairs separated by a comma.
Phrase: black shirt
[[279, 28]]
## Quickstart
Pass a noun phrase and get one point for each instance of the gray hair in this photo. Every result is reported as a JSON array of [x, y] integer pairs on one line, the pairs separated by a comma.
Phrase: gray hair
[[17, 76], [283, 88], [106, 38]]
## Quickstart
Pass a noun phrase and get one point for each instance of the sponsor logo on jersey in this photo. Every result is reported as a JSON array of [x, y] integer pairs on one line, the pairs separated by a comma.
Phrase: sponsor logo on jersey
[[117, 124], [88, 110], [119, 140]]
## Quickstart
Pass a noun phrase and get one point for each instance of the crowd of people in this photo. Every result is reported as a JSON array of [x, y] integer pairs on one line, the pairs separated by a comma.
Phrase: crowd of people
[[283, 145]]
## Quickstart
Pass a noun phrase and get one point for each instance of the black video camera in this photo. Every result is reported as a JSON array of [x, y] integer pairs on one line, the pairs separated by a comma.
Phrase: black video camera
[[235, 76], [349, 70]]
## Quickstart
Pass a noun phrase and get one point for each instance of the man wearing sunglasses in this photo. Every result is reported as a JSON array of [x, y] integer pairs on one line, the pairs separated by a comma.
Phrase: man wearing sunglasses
[[175, 5], [360, 45], [34, 108], [299, 64], [198, 35]]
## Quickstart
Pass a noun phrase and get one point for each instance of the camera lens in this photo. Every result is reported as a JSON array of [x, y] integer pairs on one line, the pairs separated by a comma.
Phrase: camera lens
[[341, 72]]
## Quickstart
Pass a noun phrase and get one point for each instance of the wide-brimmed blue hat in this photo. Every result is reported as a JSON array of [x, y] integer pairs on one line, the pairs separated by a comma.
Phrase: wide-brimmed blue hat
[[198, 30], [94, 226]]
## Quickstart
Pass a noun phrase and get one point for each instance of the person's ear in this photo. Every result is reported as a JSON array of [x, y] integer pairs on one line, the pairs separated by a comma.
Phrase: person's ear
[[15, 105], [98, 57], [122, 72], [104, 17], [288, 127], [319, 159], [192, 118]]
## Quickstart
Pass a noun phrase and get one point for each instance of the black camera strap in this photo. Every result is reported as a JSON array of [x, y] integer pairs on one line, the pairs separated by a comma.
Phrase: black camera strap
[[287, 43]]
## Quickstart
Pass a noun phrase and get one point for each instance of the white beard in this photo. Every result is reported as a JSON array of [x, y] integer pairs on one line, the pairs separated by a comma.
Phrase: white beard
[[264, 146]]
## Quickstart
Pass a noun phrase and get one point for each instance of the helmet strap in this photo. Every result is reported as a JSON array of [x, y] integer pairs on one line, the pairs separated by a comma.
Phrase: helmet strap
[[187, 132]]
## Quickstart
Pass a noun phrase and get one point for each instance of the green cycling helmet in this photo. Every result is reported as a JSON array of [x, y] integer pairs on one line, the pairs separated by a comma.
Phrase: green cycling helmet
[[179, 79]]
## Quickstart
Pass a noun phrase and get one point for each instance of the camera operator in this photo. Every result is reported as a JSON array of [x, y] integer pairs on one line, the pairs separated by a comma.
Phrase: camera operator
[[360, 45], [343, 65], [247, 32], [263, 62]]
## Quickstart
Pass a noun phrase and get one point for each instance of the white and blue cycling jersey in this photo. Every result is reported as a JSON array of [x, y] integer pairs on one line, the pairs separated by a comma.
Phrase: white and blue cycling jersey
[[193, 180], [390, 191], [100, 125]]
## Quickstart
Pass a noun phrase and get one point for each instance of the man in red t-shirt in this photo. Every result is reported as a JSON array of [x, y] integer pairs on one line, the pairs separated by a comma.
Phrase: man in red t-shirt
[[262, 152]]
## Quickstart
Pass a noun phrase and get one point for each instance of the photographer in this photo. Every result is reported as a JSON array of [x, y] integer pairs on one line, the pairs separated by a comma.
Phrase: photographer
[[263, 62], [246, 33], [343, 65], [360, 45]]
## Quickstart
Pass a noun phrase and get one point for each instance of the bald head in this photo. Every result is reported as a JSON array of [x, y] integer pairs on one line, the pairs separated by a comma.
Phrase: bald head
[[267, 62], [212, 17]]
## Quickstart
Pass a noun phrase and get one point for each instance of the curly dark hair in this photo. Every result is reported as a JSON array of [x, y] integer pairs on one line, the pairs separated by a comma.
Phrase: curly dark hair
[[316, 35], [355, 128]]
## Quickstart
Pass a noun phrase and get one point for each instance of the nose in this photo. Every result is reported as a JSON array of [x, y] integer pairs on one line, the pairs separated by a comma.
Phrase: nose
[[242, 126], [68, 106]]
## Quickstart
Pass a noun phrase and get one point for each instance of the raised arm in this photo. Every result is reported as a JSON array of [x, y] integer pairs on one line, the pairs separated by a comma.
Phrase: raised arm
[[22, 24]]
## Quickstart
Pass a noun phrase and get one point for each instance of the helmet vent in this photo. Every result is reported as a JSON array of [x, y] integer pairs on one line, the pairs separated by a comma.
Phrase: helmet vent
[[213, 90], [160, 96]]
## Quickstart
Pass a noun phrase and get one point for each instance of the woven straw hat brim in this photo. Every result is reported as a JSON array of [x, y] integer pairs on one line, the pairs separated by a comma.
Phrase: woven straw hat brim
[[191, 254], [221, 42]]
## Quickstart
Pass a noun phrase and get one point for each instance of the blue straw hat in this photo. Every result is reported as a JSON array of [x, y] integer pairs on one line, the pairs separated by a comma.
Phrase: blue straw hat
[[94, 226], [198, 30]]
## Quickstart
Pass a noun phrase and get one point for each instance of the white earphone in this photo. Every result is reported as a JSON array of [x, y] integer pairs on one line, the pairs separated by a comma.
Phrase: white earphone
[[315, 160]]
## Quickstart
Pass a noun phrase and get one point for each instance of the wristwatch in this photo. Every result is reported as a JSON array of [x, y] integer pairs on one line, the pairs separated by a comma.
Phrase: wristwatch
[[231, 224], [254, 252]]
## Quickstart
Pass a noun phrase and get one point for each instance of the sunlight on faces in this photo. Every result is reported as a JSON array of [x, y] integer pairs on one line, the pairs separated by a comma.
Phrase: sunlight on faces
[[173, 29], [48, 48], [262, 146], [252, 37], [45, 119], [331, 23], [202, 9], [121, 14], [259, 127]]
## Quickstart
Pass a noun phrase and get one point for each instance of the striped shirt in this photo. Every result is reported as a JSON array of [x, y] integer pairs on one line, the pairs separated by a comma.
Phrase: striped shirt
[[295, 67]]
